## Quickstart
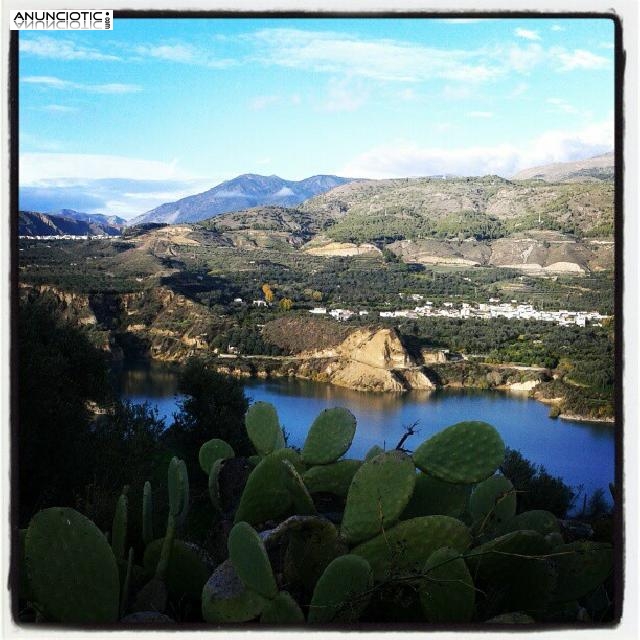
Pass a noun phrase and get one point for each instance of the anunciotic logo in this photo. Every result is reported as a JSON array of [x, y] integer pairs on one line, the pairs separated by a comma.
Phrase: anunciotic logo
[[61, 19]]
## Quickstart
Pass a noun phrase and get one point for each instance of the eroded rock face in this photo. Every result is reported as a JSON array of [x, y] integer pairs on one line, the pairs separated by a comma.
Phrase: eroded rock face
[[381, 349], [373, 360]]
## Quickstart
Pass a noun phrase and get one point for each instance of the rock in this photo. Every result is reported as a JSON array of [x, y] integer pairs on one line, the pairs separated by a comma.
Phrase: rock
[[147, 617]]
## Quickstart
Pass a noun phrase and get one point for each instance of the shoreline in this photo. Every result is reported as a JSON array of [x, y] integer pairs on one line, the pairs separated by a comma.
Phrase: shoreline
[[262, 374]]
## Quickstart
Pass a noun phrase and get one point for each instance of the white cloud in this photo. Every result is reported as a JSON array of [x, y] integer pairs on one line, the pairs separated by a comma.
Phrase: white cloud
[[519, 90], [403, 158], [377, 59], [182, 53], [527, 34], [559, 105], [557, 27], [59, 108], [262, 102], [524, 59], [59, 49], [345, 95], [38, 167], [480, 114], [606, 45], [51, 82], [579, 59]]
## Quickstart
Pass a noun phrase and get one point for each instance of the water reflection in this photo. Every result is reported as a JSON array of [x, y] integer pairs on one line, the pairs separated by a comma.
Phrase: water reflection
[[581, 453]]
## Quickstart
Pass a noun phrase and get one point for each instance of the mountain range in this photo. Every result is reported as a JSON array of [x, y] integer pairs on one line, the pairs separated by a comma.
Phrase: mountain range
[[33, 223], [243, 192]]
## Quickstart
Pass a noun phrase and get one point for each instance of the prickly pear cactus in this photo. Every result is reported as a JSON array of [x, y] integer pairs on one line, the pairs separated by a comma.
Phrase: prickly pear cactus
[[447, 593], [463, 453], [310, 550], [282, 610], [543, 522], [433, 496], [329, 437], [302, 502], [178, 483], [249, 557], [147, 513], [331, 478], [581, 568], [213, 450], [341, 593], [373, 452], [492, 503], [517, 569], [267, 494], [405, 548], [225, 599], [214, 484], [263, 428], [379, 492], [494, 560], [186, 572], [119, 527], [71, 567]]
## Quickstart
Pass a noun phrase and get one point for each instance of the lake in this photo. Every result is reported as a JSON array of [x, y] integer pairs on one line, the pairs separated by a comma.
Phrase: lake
[[580, 453]]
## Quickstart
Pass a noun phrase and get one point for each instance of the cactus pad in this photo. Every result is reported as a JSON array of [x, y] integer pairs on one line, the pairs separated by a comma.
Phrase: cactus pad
[[543, 522], [267, 494], [585, 566], [433, 496], [178, 483], [263, 428], [283, 609], [147, 513], [492, 503], [186, 572], [71, 567], [331, 478], [379, 492], [447, 593], [225, 599], [119, 527], [340, 594], [312, 546], [463, 453], [405, 548], [373, 452], [302, 502], [213, 450], [517, 568], [329, 436], [249, 557], [214, 484]]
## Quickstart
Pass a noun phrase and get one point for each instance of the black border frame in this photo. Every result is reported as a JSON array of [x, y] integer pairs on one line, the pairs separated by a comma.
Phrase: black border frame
[[620, 489]]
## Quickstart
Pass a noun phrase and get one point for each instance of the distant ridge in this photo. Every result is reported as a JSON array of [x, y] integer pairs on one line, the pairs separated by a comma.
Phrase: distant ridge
[[34, 223], [80, 216], [596, 168], [243, 192]]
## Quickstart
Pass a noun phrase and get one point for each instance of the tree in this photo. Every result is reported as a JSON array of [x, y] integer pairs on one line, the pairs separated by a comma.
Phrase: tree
[[286, 304], [268, 293], [60, 372], [214, 408]]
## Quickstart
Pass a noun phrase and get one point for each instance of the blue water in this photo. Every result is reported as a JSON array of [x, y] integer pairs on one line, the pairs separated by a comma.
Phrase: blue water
[[580, 453]]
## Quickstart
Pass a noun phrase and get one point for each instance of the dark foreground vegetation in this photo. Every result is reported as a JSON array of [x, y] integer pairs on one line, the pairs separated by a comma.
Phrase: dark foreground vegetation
[[459, 530]]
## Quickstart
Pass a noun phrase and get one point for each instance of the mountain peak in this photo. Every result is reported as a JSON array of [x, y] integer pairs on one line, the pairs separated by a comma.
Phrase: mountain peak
[[242, 192]]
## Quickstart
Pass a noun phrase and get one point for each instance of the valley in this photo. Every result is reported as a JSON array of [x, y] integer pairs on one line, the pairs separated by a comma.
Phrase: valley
[[480, 302]]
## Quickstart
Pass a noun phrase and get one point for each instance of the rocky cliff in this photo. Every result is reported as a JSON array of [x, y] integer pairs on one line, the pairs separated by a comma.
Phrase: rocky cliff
[[367, 360]]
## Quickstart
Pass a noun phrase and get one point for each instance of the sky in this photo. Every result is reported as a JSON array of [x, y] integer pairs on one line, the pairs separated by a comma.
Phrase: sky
[[122, 121]]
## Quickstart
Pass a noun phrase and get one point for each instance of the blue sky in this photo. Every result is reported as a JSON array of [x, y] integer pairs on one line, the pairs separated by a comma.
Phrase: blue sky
[[121, 121]]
